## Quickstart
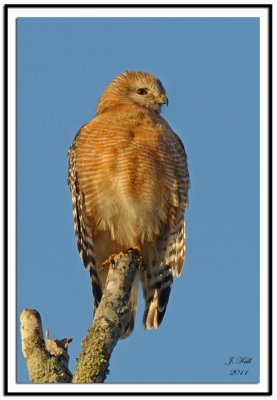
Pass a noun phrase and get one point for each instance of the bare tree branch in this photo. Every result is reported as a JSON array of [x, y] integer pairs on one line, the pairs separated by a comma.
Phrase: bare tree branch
[[47, 361], [109, 321]]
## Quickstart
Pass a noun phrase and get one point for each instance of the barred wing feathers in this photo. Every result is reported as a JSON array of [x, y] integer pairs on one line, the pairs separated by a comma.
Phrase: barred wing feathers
[[82, 229]]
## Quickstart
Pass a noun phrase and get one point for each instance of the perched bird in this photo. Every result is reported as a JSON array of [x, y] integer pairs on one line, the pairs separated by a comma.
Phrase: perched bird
[[129, 182]]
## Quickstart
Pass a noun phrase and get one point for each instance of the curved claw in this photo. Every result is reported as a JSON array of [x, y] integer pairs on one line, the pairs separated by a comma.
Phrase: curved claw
[[109, 261], [137, 251]]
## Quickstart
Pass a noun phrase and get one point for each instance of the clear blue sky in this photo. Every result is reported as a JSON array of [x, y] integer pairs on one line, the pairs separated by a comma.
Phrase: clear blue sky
[[210, 69]]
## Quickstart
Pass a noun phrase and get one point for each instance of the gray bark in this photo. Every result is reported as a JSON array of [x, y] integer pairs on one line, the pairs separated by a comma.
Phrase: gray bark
[[47, 361]]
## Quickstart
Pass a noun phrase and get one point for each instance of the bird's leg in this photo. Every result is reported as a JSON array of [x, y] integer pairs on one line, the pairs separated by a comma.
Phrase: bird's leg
[[110, 260], [136, 249]]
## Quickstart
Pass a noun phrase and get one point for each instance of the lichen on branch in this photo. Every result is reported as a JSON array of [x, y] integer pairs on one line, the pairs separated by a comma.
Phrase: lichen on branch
[[47, 360], [44, 365], [109, 321]]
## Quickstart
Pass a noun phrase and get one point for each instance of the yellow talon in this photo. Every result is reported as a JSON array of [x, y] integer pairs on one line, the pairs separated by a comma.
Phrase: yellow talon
[[137, 248], [108, 261], [137, 251]]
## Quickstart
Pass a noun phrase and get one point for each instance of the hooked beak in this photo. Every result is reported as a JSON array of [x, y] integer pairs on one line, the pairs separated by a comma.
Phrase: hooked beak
[[161, 99]]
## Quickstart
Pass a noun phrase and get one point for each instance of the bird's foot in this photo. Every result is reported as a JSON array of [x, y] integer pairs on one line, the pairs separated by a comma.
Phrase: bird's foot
[[137, 251], [109, 260]]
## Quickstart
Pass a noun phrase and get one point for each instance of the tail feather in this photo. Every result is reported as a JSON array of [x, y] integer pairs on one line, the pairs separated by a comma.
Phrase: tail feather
[[157, 299], [163, 262]]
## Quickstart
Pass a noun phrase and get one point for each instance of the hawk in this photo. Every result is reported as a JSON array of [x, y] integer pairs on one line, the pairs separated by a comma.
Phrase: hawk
[[129, 181]]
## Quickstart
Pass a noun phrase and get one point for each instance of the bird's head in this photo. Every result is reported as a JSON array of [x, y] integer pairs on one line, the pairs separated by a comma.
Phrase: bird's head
[[138, 88]]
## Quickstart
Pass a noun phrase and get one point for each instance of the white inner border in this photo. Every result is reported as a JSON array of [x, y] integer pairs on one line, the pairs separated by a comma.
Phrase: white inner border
[[261, 13]]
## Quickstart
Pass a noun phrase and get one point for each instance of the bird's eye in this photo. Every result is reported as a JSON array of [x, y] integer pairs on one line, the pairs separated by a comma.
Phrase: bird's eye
[[142, 91]]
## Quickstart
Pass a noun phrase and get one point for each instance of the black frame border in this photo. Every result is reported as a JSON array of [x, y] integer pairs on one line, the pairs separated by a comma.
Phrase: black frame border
[[5, 202]]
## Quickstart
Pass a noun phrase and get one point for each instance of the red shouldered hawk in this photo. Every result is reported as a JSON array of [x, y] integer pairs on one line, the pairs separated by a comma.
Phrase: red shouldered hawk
[[129, 182]]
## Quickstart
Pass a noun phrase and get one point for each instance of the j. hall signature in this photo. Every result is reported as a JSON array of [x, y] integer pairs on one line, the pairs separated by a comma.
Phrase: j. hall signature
[[240, 364]]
